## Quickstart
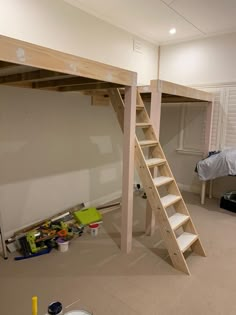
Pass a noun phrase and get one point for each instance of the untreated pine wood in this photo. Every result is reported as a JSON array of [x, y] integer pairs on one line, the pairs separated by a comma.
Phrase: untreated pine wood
[[6, 65], [181, 90], [128, 169], [100, 100], [118, 106], [68, 81], [168, 225], [156, 205], [24, 53], [29, 76], [155, 117], [89, 86]]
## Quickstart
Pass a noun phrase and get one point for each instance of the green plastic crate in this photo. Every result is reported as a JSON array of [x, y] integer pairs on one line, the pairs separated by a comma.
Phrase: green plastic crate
[[87, 216]]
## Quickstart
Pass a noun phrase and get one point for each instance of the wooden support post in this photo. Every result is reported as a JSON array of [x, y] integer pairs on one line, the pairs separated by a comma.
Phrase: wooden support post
[[150, 220], [155, 110], [155, 117], [128, 169]]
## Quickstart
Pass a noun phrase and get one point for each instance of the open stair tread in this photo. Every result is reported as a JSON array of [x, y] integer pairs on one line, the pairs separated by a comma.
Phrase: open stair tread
[[143, 124], [139, 107], [148, 142], [144, 159], [169, 200], [162, 180], [155, 161], [185, 240], [177, 220]]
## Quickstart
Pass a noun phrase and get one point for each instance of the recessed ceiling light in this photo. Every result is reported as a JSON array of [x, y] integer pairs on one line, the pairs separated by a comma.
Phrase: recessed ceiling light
[[172, 31]]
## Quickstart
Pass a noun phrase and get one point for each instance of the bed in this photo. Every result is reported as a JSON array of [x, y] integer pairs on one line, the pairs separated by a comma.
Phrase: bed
[[216, 165]]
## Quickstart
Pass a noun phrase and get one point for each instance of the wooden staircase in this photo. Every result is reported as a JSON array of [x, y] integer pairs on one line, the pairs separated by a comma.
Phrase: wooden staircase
[[173, 218]]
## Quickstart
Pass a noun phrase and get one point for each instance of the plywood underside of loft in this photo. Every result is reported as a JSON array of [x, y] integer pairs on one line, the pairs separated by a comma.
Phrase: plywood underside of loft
[[30, 66]]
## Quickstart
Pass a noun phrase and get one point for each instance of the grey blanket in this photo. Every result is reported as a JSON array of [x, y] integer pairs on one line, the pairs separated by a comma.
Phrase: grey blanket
[[218, 165]]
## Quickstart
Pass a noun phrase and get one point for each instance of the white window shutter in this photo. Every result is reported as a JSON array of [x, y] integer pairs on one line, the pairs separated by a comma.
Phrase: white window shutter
[[218, 94], [230, 119], [216, 120]]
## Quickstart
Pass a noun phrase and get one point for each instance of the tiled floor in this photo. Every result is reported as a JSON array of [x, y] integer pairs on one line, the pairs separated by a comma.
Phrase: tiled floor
[[95, 275]]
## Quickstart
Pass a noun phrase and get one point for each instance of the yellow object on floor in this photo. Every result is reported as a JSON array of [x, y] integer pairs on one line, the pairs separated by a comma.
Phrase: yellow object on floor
[[34, 305], [87, 216]]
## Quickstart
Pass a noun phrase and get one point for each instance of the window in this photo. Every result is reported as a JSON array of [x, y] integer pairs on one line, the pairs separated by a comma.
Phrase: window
[[192, 125], [192, 129]]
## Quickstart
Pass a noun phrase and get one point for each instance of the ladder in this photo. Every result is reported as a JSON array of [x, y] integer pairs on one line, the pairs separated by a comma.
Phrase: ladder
[[173, 219]]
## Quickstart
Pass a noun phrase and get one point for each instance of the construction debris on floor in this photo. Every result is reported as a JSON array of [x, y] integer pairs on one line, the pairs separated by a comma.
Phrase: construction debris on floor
[[56, 232]]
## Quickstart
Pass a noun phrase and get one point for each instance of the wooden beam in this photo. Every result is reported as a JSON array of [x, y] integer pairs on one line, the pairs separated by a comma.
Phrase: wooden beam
[[155, 117], [90, 86], [128, 169], [181, 90], [5, 65], [100, 100], [62, 82], [144, 89], [167, 98], [28, 76], [118, 105], [20, 52]]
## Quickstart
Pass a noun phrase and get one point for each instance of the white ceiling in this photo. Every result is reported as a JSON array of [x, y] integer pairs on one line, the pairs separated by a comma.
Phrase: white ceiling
[[152, 19]]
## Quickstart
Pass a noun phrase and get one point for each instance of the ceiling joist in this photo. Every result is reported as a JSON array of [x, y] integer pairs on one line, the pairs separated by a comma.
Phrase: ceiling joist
[[70, 81], [6, 65], [90, 86], [29, 76]]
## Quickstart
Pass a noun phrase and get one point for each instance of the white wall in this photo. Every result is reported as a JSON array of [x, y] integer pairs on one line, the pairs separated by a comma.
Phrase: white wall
[[53, 155], [58, 25], [207, 61], [210, 61], [182, 165]]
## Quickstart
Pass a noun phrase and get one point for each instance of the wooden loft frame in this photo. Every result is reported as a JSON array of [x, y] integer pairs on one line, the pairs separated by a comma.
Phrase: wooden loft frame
[[31, 66], [160, 92]]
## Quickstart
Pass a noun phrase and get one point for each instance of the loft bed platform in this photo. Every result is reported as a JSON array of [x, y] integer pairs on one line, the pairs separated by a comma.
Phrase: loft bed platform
[[170, 93], [26, 65], [12, 74], [174, 93]]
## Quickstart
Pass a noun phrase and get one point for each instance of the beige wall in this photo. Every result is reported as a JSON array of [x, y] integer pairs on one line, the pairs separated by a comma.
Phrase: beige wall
[[182, 165], [56, 150]]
